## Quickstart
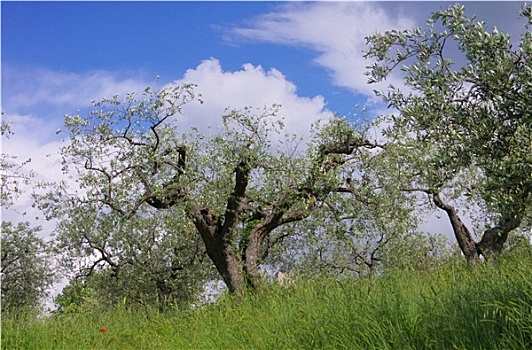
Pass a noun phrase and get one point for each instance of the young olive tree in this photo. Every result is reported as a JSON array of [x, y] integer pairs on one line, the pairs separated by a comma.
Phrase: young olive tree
[[140, 260], [26, 274], [25, 257], [464, 127], [235, 187]]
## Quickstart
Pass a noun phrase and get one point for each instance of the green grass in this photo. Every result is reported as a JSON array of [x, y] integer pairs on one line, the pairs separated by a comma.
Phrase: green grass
[[488, 307]]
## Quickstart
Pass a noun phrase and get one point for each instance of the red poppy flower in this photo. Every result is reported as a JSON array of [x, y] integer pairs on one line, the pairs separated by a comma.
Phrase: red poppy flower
[[103, 330]]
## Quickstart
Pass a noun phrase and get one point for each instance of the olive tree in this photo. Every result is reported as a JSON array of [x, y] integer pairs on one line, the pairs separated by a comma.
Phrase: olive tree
[[25, 257], [25, 271], [463, 123], [150, 259], [367, 225], [236, 186]]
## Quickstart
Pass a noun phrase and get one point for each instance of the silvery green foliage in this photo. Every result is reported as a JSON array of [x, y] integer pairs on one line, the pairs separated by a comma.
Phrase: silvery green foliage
[[25, 272], [25, 257], [245, 181], [366, 225], [125, 156], [464, 124], [107, 236]]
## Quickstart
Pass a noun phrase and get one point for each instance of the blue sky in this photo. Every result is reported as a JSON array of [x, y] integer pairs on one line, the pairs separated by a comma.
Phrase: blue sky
[[149, 39], [57, 56], [156, 37], [137, 41], [163, 38]]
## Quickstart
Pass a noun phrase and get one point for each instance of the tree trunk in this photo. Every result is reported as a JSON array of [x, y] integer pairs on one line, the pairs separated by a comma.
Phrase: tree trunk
[[252, 251], [228, 264], [250, 256], [276, 218], [466, 243], [493, 239], [220, 249]]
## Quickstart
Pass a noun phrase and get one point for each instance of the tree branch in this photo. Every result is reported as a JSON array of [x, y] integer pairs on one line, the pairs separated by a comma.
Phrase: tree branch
[[348, 147], [461, 232], [171, 191], [234, 201]]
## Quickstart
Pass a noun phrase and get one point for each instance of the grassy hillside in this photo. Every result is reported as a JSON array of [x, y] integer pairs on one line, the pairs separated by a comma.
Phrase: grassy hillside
[[488, 307]]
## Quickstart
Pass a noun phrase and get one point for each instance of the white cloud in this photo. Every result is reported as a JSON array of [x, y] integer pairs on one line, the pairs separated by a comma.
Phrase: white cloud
[[336, 31], [250, 86], [27, 88]]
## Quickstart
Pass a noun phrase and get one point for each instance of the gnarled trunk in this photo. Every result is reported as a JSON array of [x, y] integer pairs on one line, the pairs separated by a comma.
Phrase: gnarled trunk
[[461, 233], [227, 263], [251, 256], [252, 251], [218, 232], [492, 241]]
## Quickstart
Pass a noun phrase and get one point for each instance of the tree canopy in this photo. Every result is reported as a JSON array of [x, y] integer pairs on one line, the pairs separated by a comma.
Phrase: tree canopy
[[463, 122], [236, 187]]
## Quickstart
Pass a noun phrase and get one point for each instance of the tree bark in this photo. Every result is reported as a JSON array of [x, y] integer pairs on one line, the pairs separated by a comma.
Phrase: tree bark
[[461, 233], [226, 261], [252, 251], [493, 239], [251, 254], [218, 236]]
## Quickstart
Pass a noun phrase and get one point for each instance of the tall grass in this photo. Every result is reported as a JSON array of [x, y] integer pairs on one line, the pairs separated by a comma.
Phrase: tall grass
[[455, 307]]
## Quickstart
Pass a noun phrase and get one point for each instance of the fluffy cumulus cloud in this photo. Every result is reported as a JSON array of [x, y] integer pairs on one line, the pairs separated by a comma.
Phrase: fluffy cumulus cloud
[[37, 99], [336, 31], [251, 86]]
